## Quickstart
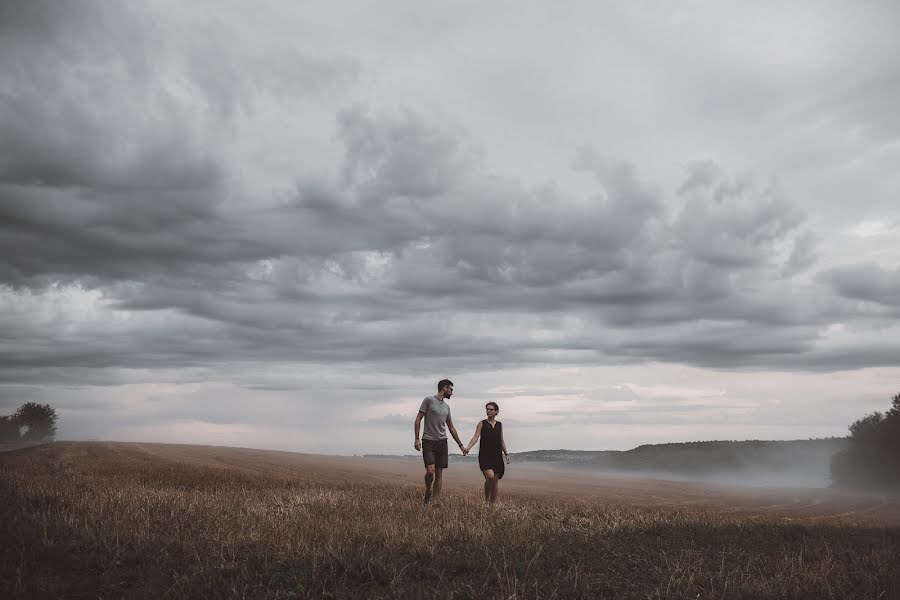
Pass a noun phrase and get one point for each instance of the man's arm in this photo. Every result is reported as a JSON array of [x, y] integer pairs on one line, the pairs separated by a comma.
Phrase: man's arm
[[456, 436], [418, 444]]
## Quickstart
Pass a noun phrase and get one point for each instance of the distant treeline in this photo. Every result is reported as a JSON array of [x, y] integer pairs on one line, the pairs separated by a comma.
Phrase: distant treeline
[[699, 458]]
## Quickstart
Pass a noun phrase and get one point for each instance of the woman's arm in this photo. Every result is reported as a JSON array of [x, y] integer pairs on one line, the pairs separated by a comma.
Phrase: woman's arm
[[475, 437], [503, 445]]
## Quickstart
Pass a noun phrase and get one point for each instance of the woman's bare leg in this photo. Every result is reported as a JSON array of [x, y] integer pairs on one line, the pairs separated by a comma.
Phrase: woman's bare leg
[[495, 489], [489, 479]]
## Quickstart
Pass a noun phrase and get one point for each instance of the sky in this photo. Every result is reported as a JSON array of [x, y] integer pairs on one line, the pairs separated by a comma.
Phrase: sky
[[279, 225]]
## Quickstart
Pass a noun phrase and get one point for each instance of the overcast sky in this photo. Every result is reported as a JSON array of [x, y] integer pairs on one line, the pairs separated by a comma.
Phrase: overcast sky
[[278, 226]]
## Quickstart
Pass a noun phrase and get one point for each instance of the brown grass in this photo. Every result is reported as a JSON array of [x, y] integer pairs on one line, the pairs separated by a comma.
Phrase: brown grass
[[156, 521]]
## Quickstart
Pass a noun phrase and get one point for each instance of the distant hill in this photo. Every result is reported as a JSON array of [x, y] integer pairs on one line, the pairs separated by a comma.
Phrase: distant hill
[[792, 461], [691, 457]]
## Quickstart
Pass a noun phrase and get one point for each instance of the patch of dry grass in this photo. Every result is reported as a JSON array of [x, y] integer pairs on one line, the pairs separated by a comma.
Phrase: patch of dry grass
[[108, 520]]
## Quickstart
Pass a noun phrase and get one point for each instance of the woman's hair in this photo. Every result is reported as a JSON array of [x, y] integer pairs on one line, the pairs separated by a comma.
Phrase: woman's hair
[[494, 404]]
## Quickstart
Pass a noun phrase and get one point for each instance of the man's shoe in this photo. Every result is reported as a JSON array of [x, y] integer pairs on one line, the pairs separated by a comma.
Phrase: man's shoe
[[427, 497]]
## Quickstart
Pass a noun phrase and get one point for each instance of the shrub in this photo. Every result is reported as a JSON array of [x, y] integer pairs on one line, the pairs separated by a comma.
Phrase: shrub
[[873, 457]]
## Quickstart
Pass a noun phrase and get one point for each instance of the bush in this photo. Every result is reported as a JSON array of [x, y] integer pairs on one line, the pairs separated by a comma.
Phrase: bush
[[873, 458], [39, 419]]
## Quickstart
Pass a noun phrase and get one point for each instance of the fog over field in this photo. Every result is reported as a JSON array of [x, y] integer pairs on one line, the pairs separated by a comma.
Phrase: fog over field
[[278, 225], [810, 481], [790, 464]]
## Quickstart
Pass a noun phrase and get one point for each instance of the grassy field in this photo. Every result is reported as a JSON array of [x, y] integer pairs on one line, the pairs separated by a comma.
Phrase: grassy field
[[88, 520]]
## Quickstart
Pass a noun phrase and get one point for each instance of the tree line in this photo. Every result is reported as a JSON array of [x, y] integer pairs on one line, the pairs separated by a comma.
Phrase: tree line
[[32, 422], [872, 458], [703, 457]]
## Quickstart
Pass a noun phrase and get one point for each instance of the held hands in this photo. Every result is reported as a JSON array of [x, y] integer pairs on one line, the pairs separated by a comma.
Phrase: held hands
[[464, 450]]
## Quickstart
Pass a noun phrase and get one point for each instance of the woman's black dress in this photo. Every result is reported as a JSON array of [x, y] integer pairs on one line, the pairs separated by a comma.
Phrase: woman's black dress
[[490, 454]]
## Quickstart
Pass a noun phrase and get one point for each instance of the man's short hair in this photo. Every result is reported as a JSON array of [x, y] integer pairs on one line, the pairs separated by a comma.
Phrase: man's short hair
[[444, 383]]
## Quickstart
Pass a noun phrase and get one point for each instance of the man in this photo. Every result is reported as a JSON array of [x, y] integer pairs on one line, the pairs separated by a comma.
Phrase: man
[[436, 412]]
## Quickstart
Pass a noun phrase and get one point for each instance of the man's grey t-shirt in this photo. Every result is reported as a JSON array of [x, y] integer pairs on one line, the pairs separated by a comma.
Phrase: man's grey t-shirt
[[437, 413]]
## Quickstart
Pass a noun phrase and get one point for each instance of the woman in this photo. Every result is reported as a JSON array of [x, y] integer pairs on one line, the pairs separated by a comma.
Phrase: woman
[[491, 451]]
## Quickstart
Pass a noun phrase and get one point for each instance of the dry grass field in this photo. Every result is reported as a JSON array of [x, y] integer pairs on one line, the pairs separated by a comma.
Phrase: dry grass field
[[89, 520]]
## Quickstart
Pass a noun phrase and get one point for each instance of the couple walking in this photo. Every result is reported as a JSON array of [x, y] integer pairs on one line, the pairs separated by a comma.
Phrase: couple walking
[[435, 411]]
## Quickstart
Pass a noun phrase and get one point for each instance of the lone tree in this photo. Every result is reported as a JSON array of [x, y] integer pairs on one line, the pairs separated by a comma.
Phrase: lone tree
[[38, 419], [873, 457], [9, 429]]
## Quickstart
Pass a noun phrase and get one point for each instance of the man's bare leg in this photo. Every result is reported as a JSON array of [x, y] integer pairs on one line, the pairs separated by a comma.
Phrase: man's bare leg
[[438, 483], [429, 479]]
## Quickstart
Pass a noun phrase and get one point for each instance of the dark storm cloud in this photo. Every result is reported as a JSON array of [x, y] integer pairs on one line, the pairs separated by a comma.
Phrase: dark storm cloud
[[112, 162], [868, 282], [83, 103]]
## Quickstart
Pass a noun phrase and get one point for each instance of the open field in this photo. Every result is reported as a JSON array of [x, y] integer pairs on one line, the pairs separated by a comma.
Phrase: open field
[[155, 521]]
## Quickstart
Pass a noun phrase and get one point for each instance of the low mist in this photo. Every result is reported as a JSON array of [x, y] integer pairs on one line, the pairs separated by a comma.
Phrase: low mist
[[758, 463]]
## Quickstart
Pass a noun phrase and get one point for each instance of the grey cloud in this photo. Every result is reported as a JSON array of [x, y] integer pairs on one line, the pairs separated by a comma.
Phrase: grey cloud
[[731, 221], [804, 254], [390, 156], [71, 234], [723, 345], [868, 282], [866, 88]]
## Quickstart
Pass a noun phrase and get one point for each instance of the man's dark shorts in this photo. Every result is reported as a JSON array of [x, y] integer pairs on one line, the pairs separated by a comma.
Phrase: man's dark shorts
[[434, 452]]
